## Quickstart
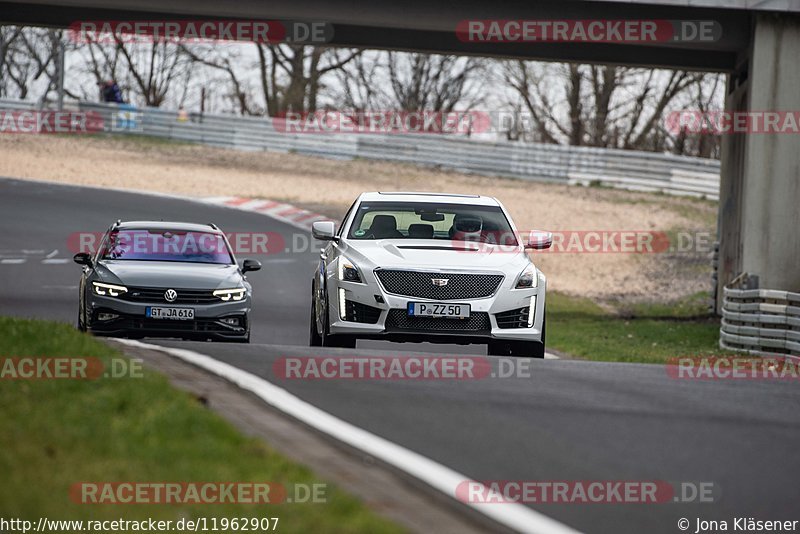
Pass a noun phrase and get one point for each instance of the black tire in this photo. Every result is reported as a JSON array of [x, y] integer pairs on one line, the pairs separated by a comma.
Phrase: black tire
[[528, 349], [81, 319], [241, 339], [330, 340], [498, 348], [314, 339], [544, 328], [340, 341], [81, 314], [525, 349]]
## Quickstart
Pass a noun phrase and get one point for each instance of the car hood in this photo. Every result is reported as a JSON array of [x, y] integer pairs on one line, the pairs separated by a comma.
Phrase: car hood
[[164, 274], [426, 253]]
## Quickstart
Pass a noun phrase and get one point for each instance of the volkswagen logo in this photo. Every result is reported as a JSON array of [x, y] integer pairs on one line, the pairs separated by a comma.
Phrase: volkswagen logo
[[170, 295], [439, 281]]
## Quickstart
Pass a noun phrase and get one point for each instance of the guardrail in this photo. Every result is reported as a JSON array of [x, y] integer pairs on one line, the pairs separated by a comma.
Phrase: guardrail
[[626, 169], [761, 322]]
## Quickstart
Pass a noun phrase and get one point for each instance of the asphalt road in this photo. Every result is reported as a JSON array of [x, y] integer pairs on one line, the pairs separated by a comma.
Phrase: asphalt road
[[567, 421]]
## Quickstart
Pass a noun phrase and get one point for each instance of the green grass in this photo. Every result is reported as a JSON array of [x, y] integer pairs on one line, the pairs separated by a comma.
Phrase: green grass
[[59, 432], [649, 333]]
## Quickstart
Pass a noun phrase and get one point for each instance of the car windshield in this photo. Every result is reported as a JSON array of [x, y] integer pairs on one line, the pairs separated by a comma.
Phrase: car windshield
[[428, 220], [166, 245]]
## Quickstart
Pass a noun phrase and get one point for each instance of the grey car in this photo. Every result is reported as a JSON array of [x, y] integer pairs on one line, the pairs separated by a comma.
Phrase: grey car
[[165, 279]]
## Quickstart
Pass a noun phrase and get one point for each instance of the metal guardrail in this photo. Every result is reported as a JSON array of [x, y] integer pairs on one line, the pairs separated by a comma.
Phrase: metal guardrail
[[626, 169], [761, 322]]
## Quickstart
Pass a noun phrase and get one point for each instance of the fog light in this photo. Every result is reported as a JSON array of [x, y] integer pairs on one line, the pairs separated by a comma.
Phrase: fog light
[[106, 316], [530, 311], [233, 321]]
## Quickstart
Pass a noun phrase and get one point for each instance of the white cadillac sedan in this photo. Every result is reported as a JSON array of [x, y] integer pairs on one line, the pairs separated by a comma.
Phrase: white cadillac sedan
[[425, 267]]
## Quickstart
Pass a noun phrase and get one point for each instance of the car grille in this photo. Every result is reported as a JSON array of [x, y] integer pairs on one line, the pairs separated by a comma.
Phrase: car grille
[[513, 318], [419, 284], [399, 320], [197, 326], [156, 295], [361, 313]]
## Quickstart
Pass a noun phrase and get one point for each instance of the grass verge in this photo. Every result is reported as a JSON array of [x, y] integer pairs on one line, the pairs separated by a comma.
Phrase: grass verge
[[61, 432], [641, 333]]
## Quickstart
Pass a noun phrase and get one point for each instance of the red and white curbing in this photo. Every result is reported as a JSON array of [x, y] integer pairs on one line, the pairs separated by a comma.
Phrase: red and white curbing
[[286, 213]]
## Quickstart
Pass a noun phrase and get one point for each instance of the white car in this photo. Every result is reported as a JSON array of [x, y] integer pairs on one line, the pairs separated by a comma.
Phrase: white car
[[429, 267]]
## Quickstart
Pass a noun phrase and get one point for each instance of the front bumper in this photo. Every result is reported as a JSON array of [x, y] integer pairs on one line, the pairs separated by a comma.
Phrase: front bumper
[[371, 312], [131, 319]]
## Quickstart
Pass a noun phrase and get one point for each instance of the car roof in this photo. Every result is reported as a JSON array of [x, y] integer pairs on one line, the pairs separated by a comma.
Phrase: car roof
[[427, 196], [166, 225]]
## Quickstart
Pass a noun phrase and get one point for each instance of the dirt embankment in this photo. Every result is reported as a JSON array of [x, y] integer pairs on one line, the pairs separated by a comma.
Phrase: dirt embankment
[[329, 186]]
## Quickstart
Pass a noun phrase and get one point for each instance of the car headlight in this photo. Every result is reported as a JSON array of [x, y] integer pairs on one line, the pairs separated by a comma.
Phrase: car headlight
[[236, 293], [527, 278], [348, 271], [110, 290]]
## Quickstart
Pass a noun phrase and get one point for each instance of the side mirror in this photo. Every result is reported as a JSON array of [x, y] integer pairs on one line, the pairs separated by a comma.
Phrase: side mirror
[[251, 265], [539, 240], [323, 230], [82, 258]]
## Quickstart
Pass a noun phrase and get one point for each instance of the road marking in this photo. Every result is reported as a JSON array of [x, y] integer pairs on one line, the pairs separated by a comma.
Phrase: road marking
[[512, 515], [55, 261], [12, 261]]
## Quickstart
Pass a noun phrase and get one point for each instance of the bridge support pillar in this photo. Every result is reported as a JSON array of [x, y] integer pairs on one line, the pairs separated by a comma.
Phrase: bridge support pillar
[[759, 218]]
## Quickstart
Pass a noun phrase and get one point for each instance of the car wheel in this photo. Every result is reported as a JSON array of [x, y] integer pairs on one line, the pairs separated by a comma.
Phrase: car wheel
[[345, 342], [531, 349], [330, 340], [245, 339], [81, 317], [498, 348], [314, 339], [528, 349]]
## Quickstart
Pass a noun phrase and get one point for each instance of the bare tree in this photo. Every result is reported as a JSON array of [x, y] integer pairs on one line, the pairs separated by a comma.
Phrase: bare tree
[[291, 76], [596, 105], [28, 56], [147, 71]]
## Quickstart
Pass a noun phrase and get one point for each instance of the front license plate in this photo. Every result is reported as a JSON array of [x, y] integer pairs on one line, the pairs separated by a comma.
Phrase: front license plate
[[438, 309], [170, 313]]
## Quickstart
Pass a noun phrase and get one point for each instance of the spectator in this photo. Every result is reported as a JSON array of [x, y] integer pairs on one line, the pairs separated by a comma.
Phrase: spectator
[[110, 92]]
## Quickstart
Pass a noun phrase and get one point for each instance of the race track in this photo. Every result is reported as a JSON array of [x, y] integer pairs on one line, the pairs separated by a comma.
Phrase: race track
[[570, 420]]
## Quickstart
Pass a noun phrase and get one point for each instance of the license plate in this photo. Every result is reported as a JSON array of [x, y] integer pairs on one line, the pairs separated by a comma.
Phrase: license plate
[[184, 314], [438, 309]]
